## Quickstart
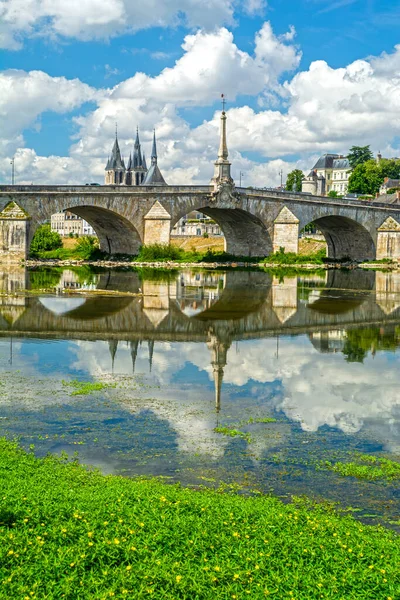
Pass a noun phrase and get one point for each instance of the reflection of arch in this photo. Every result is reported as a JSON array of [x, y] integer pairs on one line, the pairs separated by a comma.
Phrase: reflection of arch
[[344, 291], [346, 237], [245, 234], [244, 293], [97, 307]]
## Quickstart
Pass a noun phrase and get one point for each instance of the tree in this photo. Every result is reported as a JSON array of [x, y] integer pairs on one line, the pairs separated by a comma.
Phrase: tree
[[368, 177], [45, 239], [294, 179], [334, 194], [358, 155]]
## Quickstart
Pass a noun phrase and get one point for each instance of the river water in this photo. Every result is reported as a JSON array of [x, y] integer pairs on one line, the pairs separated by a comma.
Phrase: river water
[[244, 380]]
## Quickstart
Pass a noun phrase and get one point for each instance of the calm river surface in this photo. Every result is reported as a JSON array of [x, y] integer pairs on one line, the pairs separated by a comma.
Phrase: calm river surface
[[190, 365]]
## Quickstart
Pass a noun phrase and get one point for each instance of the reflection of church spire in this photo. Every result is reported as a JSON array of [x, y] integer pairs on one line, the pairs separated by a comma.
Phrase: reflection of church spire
[[134, 350], [112, 346], [151, 352], [219, 351]]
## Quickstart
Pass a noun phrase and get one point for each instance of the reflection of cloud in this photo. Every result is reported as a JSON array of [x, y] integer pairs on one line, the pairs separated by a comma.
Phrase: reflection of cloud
[[318, 389], [60, 306]]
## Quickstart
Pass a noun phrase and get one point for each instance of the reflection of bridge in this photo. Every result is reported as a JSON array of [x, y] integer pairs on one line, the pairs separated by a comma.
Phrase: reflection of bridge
[[254, 222], [250, 305]]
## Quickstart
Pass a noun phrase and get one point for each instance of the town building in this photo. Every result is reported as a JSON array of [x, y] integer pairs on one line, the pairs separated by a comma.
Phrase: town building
[[66, 223], [388, 184], [136, 171], [196, 224], [331, 172]]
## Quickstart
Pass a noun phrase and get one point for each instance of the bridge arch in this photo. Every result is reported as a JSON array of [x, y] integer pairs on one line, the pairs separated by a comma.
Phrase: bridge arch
[[346, 237], [245, 234], [117, 235]]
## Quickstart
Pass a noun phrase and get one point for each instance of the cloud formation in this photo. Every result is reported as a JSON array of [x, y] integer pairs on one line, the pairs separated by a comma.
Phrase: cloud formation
[[321, 109]]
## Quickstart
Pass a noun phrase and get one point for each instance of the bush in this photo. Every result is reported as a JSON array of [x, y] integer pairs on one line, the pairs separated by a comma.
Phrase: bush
[[392, 190], [45, 239], [289, 258], [86, 247]]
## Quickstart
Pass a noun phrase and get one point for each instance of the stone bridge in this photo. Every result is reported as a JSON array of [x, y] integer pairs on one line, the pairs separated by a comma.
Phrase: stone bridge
[[254, 222]]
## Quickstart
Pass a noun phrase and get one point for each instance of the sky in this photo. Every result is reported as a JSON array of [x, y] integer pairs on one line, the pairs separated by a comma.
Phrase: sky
[[301, 79]]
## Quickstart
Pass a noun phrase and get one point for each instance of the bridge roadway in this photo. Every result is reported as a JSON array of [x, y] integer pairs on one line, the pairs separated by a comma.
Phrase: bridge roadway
[[254, 222], [251, 305]]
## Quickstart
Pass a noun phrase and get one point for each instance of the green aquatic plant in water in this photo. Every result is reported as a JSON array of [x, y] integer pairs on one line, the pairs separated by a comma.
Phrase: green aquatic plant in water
[[87, 387], [68, 532], [367, 467], [232, 432]]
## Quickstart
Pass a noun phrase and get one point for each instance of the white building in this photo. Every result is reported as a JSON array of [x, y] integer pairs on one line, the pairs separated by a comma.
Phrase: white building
[[66, 223], [331, 172], [196, 224]]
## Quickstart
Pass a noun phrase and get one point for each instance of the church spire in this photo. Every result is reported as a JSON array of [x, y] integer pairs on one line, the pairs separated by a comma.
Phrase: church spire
[[154, 175], [154, 150], [222, 170]]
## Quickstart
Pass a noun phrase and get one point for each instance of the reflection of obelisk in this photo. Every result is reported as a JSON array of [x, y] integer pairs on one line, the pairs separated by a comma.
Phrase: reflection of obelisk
[[219, 350], [134, 350], [112, 346]]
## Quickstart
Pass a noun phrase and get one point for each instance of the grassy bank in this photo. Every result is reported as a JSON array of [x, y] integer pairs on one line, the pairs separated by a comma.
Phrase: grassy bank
[[69, 533], [172, 253]]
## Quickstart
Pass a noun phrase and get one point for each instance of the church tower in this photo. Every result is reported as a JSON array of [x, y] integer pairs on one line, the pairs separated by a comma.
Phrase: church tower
[[115, 168], [136, 170]]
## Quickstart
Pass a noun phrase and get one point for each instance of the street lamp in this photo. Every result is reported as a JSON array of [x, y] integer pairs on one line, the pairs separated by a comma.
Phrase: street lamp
[[12, 163]]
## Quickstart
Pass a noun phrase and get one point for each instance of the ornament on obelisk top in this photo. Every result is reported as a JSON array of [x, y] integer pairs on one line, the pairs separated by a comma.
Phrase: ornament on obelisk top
[[222, 172]]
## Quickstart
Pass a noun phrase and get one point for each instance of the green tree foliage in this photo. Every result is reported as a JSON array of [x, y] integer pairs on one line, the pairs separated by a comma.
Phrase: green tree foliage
[[45, 239], [334, 194], [368, 176], [358, 155], [294, 179], [359, 342]]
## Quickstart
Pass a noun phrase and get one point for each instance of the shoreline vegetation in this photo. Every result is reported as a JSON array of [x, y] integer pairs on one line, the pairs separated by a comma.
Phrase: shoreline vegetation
[[71, 532], [172, 256]]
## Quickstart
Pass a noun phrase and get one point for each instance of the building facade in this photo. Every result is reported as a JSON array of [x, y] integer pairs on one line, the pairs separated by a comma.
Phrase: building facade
[[66, 223], [331, 172], [196, 224], [136, 171]]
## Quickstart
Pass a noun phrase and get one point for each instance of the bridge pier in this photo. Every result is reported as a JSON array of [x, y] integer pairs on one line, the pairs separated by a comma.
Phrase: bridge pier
[[286, 232], [157, 225], [14, 233], [388, 239]]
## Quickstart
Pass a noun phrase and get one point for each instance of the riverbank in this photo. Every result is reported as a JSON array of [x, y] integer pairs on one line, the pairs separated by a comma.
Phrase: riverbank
[[70, 533]]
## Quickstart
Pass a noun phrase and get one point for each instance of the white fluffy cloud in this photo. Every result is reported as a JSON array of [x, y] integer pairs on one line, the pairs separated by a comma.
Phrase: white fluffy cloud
[[91, 19], [325, 110]]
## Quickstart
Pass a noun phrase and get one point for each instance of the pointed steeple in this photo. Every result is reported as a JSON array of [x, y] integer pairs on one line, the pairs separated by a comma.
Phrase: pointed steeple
[[134, 350], [154, 176], [151, 352], [222, 171], [154, 149], [144, 165], [219, 350], [137, 154], [129, 167]]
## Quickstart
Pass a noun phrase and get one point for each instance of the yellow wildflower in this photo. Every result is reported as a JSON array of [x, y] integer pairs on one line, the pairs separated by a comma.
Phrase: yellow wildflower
[[178, 578]]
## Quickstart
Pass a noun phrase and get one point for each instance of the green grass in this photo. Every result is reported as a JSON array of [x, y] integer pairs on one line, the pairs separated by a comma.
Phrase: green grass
[[290, 258], [82, 388], [370, 468], [69, 533], [266, 420]]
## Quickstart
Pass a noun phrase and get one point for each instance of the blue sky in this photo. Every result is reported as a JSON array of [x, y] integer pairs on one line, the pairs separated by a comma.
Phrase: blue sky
[[285, 107]]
